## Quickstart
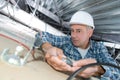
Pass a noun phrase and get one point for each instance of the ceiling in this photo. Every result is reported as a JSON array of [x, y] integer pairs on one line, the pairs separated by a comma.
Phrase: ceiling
[[106, 14]]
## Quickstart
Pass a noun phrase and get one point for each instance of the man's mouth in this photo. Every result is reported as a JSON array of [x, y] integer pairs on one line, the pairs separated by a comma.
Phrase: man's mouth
[[74, 41]]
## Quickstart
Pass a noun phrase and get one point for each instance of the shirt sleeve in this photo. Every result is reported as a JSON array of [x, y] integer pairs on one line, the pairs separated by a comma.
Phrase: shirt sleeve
[[57, 41], [111, 73]]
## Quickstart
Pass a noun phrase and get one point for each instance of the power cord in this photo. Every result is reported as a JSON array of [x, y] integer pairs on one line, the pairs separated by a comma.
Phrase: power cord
[[90, 65]]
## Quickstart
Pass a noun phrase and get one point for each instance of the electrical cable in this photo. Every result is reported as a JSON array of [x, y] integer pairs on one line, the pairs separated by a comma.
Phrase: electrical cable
[[16, 5], [4, 5], [58, 14], [31, 9], [90, 65]]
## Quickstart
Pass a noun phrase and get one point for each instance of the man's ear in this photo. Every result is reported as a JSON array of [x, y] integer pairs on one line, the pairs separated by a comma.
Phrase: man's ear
[[90, 32]]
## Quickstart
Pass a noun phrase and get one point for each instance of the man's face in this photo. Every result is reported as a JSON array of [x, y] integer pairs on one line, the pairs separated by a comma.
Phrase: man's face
[[80, 35]]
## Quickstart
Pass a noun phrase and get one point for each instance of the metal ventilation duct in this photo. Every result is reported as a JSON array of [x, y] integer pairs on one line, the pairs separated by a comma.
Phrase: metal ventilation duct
[[106, 13]]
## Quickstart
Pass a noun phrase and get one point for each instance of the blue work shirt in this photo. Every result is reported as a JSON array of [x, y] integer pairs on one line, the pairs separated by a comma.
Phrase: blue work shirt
[[96, 51]]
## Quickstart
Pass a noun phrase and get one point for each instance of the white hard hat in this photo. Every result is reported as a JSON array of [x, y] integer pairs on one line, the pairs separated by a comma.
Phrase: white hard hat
[[82, 17]]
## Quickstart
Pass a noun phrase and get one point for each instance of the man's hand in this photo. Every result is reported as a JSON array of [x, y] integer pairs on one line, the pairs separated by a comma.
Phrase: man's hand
[[57, 63], [91, 71], [54, 57]]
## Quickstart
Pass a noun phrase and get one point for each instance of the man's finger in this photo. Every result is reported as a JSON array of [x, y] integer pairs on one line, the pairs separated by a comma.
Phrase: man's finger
[[58, 64]]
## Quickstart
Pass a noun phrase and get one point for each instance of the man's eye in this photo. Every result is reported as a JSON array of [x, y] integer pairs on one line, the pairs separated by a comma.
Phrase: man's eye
[[79, 31]]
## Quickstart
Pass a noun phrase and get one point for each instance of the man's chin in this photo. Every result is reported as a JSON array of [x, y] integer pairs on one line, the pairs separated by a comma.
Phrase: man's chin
[[76, 45]]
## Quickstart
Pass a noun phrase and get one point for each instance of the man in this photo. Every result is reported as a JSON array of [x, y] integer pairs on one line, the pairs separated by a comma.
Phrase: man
[[79, 48]]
